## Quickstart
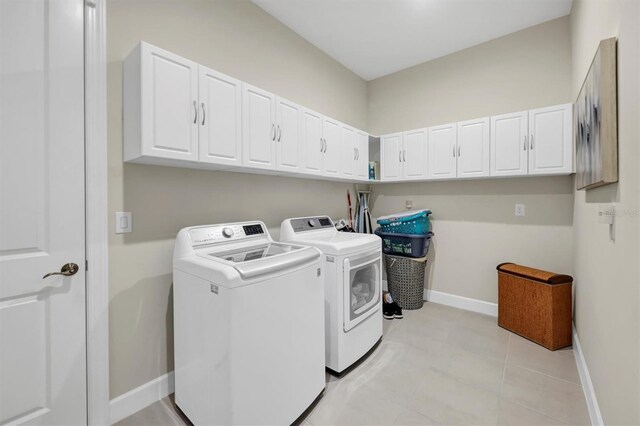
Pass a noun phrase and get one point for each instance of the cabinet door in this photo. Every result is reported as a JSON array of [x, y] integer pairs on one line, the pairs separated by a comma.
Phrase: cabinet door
[[391, 156], [509, 144], [442, 151], [258, 128], [169, 105], [288, 131], [473, 148], [220, 118], [312, 144], [348, 151], [414, 154], [551, 140], [362, 156], [331, 151]]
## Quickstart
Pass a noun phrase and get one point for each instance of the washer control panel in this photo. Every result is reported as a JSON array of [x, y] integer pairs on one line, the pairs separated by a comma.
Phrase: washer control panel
[[218, 233], [311, 223]]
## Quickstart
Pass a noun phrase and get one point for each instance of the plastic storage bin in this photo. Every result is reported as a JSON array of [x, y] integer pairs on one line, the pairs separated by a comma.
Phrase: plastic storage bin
[[405, 280], [414, 222], [411, 245]]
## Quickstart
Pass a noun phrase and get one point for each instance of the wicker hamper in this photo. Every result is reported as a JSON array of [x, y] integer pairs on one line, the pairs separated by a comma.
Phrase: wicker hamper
[[535, 304], [405, 280]]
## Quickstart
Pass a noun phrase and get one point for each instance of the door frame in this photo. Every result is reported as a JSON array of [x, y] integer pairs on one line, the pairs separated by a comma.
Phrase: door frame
[[96, 213]]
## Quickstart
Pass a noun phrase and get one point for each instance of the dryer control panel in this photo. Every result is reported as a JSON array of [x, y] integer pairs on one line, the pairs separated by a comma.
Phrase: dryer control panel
[[231, 232], [311, 223]]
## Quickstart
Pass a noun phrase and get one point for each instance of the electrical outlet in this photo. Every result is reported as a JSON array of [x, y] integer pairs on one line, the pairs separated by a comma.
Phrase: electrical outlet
[[520, 210], [408, 204]]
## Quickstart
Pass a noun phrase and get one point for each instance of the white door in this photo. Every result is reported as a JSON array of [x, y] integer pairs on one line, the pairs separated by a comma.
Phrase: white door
[[312, 143], [442, 151], [288, 132], [414, 155], [348, 151], [169, 105], [42, 320], [391, 156], [551, 140], [258, 128], [331, 151], [473, 148], [362, 158], [509, 144], [220, 118]]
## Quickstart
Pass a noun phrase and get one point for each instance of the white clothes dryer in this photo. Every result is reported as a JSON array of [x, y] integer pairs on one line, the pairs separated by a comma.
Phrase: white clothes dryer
[[248, 326], [353, 286]]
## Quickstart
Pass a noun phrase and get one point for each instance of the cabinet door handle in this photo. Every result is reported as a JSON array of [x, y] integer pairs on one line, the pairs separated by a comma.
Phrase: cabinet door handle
[[273, 132], [531, 143], [458, 150], [321, 144], [400, 156], [404, 156], [358, 151], [524, 146], [279, 133], [454, 151], [203, 113], [325, 145], [195, 110]]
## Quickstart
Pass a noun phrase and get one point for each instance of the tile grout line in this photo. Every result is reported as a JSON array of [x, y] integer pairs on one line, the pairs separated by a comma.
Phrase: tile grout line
[[548, 375], [504, 372]]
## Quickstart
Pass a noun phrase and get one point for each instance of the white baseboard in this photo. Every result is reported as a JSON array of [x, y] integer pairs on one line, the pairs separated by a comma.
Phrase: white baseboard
[[587, 385], [136, 399], [461, 302]]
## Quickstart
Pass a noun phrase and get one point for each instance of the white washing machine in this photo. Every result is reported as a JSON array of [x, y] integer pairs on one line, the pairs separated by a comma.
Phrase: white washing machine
[[248, 326], [353, 286]]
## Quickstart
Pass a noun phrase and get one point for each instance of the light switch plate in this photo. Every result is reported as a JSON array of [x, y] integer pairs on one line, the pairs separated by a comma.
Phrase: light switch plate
[[408, 204], [123, 222], [520, 210]]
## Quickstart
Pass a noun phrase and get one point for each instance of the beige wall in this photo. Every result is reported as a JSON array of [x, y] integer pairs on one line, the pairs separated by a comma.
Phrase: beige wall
[[474, 220], [523, 70], [607, 276], [237, 38], [476, 229]]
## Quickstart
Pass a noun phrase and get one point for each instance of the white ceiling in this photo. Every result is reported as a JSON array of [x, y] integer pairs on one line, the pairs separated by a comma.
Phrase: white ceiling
[[374, 38]]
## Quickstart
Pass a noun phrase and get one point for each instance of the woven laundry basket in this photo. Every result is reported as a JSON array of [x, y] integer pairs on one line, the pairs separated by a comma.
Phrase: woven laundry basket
[[405, 280]]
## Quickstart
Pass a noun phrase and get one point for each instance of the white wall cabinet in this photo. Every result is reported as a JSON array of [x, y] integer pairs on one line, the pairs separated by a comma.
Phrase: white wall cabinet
[[473, 143], [348, 151], [442, 151], [220, 129], [362, 155], [331, 151], [551, 140], [311, 142], [258, 128], [391, 150], [288, 135], [509, 144], [160, 106]]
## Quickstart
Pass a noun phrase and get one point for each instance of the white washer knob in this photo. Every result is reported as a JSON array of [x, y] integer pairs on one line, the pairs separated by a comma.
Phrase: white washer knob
[[227, 232], [312, 223]]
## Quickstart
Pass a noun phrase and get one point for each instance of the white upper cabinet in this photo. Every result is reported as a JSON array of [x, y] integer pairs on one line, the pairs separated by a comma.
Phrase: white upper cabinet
[[258, 128], [348, 151], [160, 106], [391, 150], [551, 140], [509, 144], [414, 154], [331, 136], [288, 135], [442, 151], [362, 156], [220, 121], [311, 142], [473, 148]]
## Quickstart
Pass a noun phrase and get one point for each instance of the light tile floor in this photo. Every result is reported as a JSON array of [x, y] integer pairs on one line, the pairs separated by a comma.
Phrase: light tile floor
[[440, 366]]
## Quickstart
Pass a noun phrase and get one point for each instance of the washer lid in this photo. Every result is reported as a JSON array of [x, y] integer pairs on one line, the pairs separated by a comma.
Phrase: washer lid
[[339, 243], [263, 259]]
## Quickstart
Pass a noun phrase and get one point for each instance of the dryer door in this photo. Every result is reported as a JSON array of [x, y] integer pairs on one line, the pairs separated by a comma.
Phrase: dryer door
[[362, 288]]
